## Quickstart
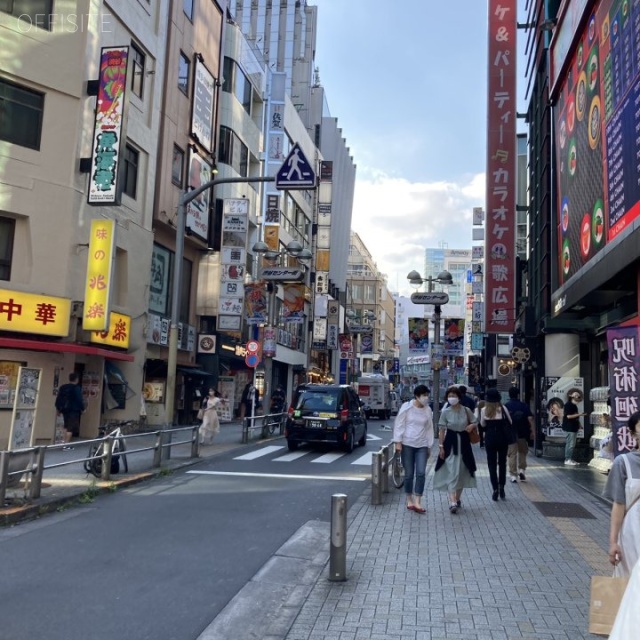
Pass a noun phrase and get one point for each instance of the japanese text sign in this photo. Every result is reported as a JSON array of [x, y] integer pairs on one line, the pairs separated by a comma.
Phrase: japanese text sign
[[107, 133], [33, 313], [117, 335], [624, 365], [501, 169], [99, 267]]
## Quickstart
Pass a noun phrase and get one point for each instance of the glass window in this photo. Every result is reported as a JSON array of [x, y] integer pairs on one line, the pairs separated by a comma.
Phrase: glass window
[[20, 115], [243, 90], [225, 146], [137, 79], [356, 291], [184, 64], [35, 12], [227, 74], [7, 231], [177, 166], [131, 158], [243, 169], [369, 293], [187, 6]]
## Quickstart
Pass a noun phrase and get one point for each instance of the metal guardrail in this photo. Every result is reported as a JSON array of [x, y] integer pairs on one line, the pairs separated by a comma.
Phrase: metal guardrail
[[380, 473], [31, 461], [267, 424]]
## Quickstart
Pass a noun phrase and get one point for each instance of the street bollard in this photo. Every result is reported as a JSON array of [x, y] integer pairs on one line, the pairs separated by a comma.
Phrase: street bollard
[[105, 473], [376, 478], [338, 549], [37, 469], [4, 474], [157, 451], [385, 469], [195, 442]]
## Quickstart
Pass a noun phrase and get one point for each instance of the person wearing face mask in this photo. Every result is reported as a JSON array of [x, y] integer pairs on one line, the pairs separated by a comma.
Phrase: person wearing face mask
[[456, 465], [413, 437]]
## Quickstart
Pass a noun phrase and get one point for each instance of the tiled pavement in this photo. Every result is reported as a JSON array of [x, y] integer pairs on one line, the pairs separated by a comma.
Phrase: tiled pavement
[[494, 571]]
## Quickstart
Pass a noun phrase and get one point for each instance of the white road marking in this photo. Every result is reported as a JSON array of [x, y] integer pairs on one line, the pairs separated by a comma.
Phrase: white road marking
[[291, 456], [258, 453], [276, 475], [327, 458], [367, 458], [370, 436]]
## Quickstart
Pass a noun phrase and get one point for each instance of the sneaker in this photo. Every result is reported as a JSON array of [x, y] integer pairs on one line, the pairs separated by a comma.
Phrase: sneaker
[[453, 507], [570, 463], [67, 448], [459, 503], [514, 479], [521, 475]]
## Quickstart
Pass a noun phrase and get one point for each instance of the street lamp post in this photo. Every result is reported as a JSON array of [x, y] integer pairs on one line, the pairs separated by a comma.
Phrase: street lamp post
[[303, 255], [445, 278]]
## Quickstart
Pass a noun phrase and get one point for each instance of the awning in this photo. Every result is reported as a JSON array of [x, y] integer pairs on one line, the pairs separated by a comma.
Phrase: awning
[[66, 347], [194, 372]]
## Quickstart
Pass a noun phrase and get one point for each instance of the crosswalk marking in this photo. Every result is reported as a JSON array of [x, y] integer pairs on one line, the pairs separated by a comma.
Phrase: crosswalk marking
[[370, 436], [277, 475], [366, 459], [258, 453], [291, 456], [327, 458]]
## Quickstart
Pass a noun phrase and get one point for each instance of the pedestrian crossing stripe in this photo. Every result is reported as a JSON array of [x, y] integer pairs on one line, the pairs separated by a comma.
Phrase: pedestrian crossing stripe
[[277, 475], [327, 458]]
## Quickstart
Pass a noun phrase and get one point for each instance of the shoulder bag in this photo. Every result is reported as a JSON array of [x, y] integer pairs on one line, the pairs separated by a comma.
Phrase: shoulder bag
[[474, 436], [509, 432]]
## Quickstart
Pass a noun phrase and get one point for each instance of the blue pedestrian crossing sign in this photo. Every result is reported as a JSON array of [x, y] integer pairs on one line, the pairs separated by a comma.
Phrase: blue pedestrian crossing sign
[[296, 171]]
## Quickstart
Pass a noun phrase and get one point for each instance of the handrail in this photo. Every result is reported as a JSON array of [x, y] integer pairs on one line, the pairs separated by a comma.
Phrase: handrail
[[249, 424], [35, 465]]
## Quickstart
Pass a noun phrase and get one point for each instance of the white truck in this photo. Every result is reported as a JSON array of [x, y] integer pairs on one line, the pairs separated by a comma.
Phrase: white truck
[[375, 392]]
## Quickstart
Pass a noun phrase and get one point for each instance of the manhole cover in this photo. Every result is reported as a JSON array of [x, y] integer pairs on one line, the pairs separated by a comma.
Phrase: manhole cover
[[563, 510]]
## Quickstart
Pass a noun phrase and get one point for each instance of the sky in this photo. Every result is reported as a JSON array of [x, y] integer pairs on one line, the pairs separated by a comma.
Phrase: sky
[[406, 80]]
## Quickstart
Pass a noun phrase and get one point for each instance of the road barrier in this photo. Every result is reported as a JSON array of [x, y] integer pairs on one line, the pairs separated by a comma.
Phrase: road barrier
[[268, 425], [380, 473]]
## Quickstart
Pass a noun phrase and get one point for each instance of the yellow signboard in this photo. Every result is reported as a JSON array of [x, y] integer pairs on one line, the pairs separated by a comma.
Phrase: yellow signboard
[[322, 260], [34, 313], [99, 268], [118, 333]]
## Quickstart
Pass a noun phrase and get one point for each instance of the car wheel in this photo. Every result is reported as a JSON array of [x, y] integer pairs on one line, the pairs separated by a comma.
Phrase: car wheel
[[292, 445], [363, 440], [348, 447]]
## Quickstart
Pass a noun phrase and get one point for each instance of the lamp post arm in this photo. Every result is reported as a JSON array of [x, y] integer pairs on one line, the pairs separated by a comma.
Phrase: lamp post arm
[[172, 359]]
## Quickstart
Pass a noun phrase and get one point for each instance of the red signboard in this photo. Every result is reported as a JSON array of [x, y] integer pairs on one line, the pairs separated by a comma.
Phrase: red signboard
[[500, 303]]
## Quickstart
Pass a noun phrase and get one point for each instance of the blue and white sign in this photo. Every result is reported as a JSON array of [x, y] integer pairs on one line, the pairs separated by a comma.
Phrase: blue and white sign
[[296, 171]]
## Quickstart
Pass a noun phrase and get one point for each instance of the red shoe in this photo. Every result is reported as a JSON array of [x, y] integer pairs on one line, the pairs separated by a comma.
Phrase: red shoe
[[419, 510]]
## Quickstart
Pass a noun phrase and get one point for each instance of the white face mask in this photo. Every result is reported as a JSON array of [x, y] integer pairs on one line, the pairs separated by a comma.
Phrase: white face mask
[[453, 401], [423, 400]]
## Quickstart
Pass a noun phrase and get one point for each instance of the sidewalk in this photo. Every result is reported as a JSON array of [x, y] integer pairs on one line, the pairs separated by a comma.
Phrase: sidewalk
[[70, 483], [515, 569]]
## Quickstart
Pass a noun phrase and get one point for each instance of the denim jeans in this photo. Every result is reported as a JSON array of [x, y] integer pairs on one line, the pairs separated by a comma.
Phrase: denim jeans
[[570, 445], [414, 461]]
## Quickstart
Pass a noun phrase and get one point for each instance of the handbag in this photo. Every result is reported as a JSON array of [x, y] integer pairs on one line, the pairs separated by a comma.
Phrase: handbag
[[606, 595], [474, 436], [200, 414]]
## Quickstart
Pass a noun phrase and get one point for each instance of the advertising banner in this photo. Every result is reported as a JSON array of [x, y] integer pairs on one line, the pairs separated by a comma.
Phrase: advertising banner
[[34, 313], [24, 410], [624, 366], [107, 145], [269, 344], [159, 285], [97, 293], [555, 393], [203, 98], [418, 335], [118, 333], [366, 343], [500, 303], [255, 299], [198, 209], [293, 303], [454, 337]]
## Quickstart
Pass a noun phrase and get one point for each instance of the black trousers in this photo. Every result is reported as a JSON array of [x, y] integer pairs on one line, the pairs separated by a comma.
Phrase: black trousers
[[496, 447]]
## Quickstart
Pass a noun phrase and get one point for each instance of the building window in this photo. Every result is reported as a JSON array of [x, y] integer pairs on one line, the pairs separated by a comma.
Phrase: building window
[[183, 74], [187, 6], [7, 231], [131, 158], [36, 12], [177, 166], [137, 80], [369, 293], [227, 74], [226, 145], [20, 115], [243, 90]]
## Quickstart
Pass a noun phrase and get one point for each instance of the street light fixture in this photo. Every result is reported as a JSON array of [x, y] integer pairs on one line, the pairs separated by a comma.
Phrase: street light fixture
[[303, 255], [416, 280]]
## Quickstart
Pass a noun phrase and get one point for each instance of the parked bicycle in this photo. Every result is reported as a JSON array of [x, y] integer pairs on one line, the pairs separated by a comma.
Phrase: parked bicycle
[[93, 465], [397, 470]]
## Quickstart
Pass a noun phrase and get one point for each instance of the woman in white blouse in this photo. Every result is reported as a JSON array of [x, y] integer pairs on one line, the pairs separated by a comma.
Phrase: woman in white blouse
[[413, 437]]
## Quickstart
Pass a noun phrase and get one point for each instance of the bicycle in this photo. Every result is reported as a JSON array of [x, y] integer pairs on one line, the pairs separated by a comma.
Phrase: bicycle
[[93, 465], [397, 470], [271, 423]]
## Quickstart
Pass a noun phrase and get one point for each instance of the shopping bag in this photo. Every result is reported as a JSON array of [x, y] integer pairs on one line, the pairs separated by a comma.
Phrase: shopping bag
[[606, 595]]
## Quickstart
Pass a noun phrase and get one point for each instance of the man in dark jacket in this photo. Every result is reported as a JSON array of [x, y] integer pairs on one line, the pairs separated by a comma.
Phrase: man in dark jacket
[[571, 425], [522, 420], [70, 403]]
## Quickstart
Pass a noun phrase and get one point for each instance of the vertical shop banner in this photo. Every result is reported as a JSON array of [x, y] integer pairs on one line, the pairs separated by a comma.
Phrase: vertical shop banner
[[624, 366], [108, 129], [197, 219], [255, 300], [454, 337], [159, 285], [293, 303], [366, 343], [102, 242], [418, 335], [24, 409], [203, 102], [500, 278]]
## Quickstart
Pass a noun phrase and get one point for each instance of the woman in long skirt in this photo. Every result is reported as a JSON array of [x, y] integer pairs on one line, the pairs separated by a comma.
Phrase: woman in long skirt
[[210, 424]]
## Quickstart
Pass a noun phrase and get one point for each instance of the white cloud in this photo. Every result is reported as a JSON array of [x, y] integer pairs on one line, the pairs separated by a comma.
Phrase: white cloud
[[398, 219]]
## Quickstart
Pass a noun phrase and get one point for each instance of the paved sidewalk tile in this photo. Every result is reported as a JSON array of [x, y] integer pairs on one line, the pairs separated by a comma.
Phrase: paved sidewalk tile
[[494, 571]]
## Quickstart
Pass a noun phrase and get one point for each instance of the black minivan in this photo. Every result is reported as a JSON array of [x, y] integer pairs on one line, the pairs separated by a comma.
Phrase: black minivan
[[326, 413]]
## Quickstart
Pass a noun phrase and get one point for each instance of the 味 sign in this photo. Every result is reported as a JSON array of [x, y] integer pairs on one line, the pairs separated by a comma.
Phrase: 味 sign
[[500, 304]]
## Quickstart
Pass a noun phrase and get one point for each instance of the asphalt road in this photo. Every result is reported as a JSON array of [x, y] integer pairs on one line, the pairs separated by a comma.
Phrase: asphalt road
[[159, 561]]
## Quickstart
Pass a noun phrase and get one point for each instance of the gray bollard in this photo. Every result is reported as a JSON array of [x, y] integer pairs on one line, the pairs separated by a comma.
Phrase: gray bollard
[[338, 547], [385, 469], [376, 478]]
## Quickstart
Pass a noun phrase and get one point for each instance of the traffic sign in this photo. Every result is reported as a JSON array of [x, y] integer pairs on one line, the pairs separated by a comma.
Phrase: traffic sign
[[296, 171], [253, 346], [282, 274], [430, 297], [251, 360]]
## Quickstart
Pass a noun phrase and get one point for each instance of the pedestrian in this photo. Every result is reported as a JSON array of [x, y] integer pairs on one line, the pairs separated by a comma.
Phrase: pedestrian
[[413, 439], [456, 466], [623, 489], [278, 400], [70, 403], [499, 435], [249, 397], [466, 400], [571, 425], [476, 413], [522, 421], [210, 426]]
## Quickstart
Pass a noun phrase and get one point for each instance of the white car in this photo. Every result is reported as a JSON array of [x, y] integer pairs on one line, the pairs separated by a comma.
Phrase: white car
[[396, 403]]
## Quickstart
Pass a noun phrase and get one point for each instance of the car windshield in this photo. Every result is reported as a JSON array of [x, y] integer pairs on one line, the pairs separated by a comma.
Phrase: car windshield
[[318, 401]]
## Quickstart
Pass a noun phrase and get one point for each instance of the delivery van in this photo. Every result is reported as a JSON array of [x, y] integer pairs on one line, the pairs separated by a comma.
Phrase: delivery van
[[375, 392]]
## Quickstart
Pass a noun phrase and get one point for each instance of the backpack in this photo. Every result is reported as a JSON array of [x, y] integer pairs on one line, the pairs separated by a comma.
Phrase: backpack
[[63, 400]]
